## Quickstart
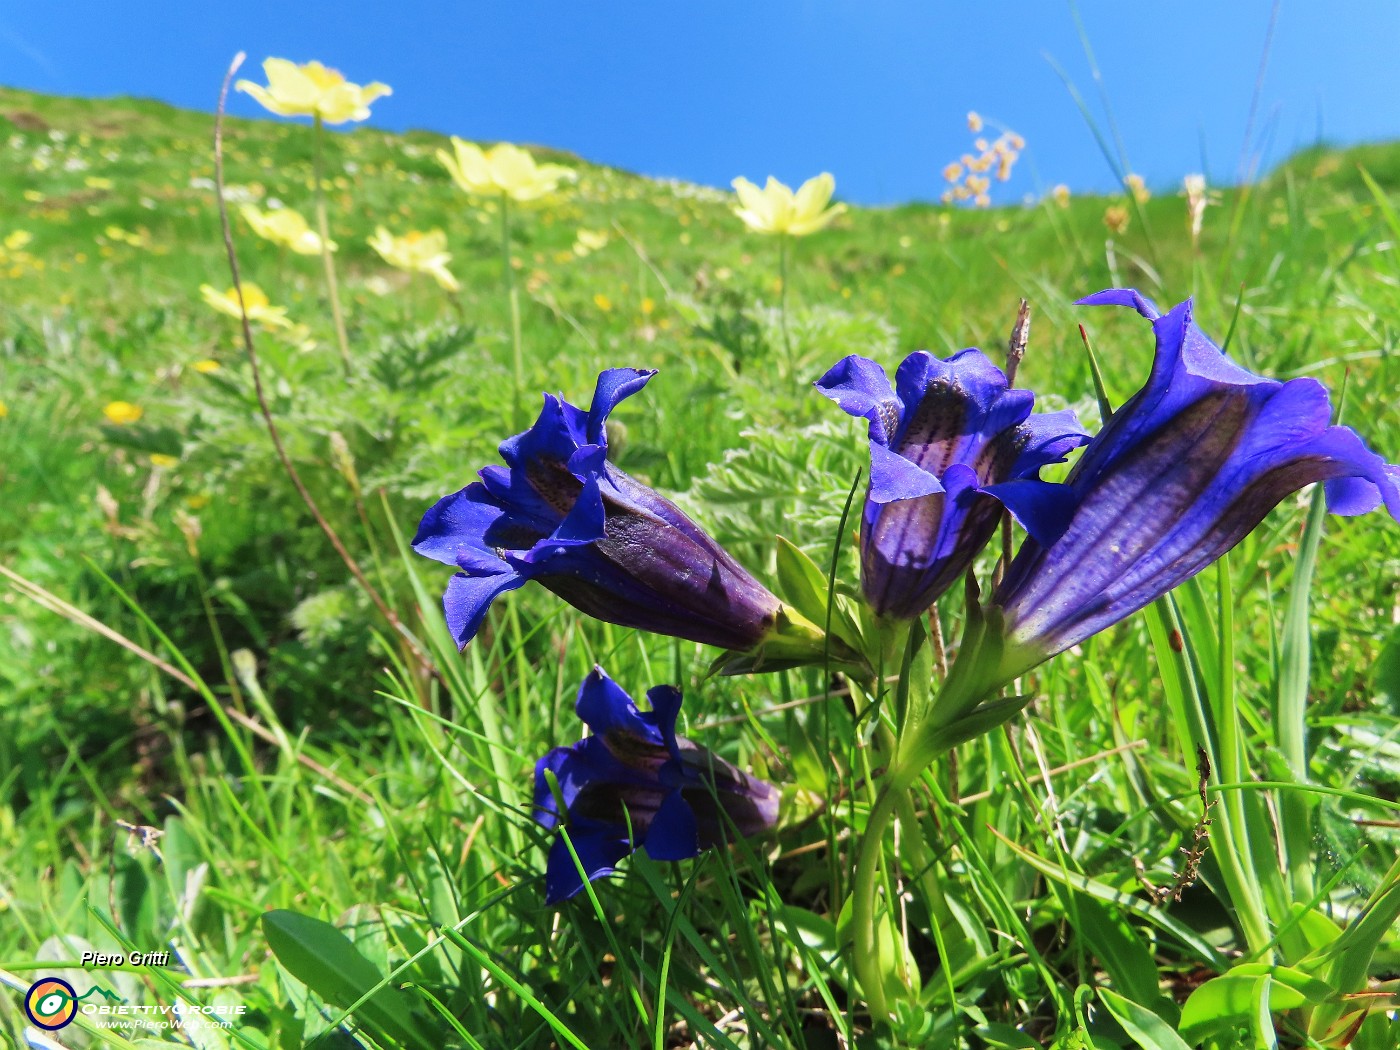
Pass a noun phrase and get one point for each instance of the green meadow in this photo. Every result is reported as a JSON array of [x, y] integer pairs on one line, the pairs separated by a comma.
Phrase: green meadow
[[215, 742]]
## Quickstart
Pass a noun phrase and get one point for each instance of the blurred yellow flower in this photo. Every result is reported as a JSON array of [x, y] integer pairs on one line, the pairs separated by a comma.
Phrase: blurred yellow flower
[[417, 252], [4, 410], [255, 300], [98, 182], [648, 305], [602, 302], [206, 366], [312, 90], [589, 241], [285, 227], [953, 172], [18, 239], [974, 122], [1116, 218], [503, 169], [122, 412], [160, 459], [1138, 188], [776, 209], [1060, 195]]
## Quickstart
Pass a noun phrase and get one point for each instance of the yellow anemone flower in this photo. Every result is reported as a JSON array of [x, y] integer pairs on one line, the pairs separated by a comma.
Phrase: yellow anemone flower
[[122, 412], [503, 169], [312, 90], [285, 227], [255, 301], [417, 252], [776, 209]]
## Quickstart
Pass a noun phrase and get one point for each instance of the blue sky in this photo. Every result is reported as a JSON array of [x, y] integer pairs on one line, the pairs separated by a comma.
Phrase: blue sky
[[874, 91]]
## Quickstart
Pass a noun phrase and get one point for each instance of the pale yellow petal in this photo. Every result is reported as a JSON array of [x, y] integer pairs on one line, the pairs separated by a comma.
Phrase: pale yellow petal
[[754, 209], [779, 199], [268, 101], [469, 168], [813, 196], [802, 226]]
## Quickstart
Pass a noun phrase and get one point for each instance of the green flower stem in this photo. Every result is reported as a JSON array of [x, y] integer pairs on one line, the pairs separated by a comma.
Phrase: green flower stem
[[958, 712], [783, 239], [513, 297], [341, 341]]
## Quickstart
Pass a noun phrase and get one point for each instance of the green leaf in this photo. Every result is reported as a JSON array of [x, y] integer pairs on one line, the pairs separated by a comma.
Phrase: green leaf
[[1123, 954], [1385, 677], [804, 585], [1143, 1026], [801, 581], [322, 958], [1234, 998]]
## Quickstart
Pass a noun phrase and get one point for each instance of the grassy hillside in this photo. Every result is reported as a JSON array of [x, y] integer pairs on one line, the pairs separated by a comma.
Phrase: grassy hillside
[[385, 793]]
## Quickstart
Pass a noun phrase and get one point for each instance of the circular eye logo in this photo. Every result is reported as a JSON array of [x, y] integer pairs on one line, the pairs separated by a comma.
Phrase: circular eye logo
[[51, 1003]]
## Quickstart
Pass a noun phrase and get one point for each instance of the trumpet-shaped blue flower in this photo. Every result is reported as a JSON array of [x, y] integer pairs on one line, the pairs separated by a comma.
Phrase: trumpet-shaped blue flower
[[949, 431], [633, 784], [1179, 475], [560, 513]]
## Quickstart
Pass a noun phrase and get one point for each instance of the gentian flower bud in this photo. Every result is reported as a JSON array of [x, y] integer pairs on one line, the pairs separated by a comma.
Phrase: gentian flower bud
[[1179, 475], [634, 784], [948, 431], [560, 513]]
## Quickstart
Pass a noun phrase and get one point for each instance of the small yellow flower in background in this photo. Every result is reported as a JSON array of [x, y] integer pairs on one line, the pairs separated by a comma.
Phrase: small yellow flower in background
[[312, 90], [1116, 218], [122, 412], [137, 239], [1137, 188], [18, 239], [602, 302], [34, 196], [1060, 195], [974, 122], [589, 241], [648, 305], [164, 462], [4, 410], [285, 227], [206, 366], [953, 172], [98, 182], [776, 209], [1196, 201], [417, 252], [503, 169], [259, 307]]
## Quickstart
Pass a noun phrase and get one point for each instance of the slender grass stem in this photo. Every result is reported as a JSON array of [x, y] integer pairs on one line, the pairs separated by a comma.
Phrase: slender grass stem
[[783, 249], [517, 400], [265, 410], [342, 342]]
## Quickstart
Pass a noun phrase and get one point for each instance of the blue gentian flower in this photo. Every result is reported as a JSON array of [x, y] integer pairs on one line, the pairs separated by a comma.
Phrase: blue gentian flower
[[633, 784], [1179, 475], [948, 431], [560, 513]]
